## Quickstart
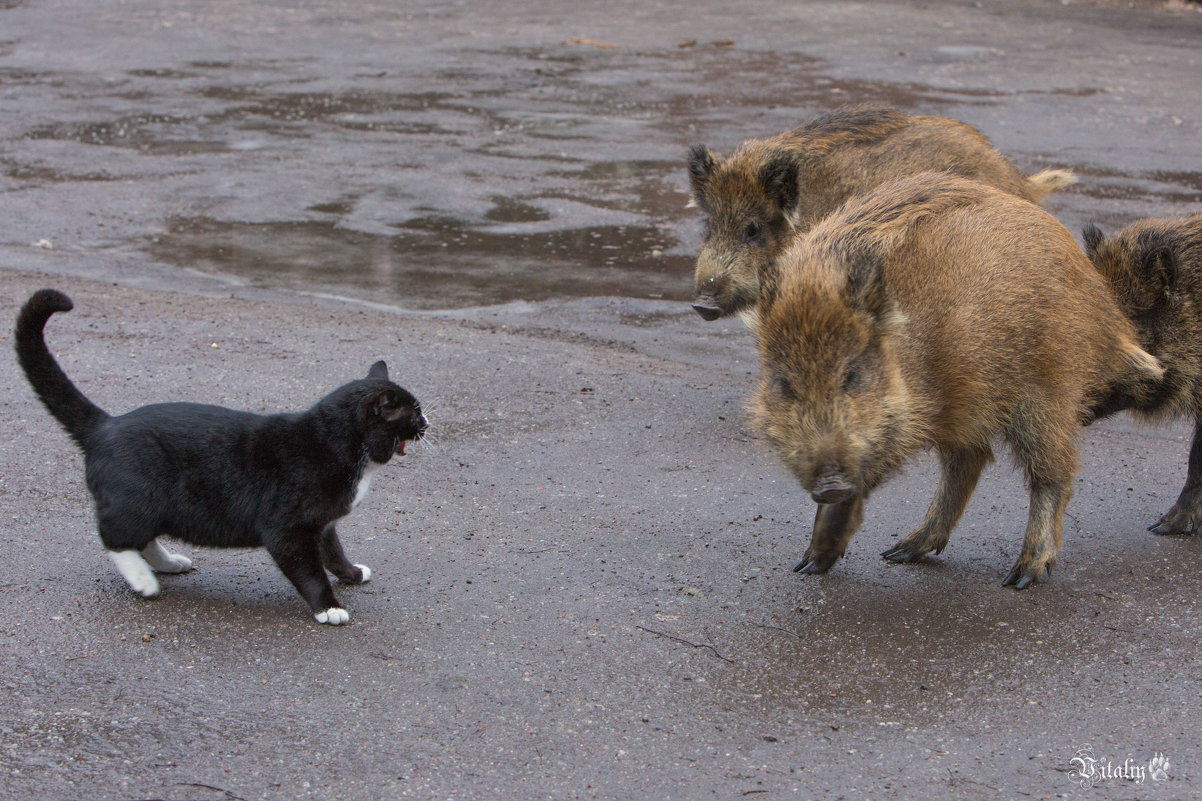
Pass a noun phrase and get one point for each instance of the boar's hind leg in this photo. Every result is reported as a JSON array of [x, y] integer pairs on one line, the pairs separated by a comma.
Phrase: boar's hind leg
[[1043, 444], [961, 469], [1186, 514], [833, 526]]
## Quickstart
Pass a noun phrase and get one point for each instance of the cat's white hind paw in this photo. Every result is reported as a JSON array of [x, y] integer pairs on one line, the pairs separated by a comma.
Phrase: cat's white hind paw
[[366, 573], [164, 561], [334, 616], [179, 564], [136, 572]]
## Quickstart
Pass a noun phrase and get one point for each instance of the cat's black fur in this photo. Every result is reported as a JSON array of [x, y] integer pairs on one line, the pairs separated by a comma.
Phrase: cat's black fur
[[222, 478]]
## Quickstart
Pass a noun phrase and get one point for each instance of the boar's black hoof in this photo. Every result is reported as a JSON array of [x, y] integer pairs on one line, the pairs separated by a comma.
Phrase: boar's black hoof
[[1023, 576], [813, 565], [903, 553], [708, 311], [1173, 524]]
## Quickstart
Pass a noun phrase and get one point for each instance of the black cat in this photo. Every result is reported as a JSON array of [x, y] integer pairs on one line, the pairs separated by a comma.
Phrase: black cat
[[221, 478]]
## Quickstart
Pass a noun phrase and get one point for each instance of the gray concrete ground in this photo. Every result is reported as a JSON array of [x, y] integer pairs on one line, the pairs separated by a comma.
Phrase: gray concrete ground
[[581, 586]]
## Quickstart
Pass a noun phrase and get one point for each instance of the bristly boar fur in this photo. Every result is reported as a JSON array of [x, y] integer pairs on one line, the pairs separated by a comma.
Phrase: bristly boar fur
[[769, 190], [936, 313], [1155, 269]]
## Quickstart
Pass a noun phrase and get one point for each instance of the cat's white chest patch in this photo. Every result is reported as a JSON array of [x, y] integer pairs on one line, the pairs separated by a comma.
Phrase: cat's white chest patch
[[364, 482]]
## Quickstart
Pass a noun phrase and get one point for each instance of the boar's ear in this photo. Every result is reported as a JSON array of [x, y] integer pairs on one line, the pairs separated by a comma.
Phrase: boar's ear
[[866, 285], [1093, 239], [1160, 268], [378, 370], [701, 167], [779, 179]]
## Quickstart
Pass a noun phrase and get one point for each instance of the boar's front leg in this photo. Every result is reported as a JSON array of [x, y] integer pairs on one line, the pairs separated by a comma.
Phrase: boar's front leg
[[1186, 514], [961, 469], [833, 526]]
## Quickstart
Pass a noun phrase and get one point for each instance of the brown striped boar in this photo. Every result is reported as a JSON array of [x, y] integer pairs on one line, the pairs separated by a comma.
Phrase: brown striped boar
[[769, 190], [1155, 269], [936, 313]]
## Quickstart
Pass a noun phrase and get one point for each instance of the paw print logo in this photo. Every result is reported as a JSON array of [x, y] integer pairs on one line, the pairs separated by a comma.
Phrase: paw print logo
[[1158, 768]]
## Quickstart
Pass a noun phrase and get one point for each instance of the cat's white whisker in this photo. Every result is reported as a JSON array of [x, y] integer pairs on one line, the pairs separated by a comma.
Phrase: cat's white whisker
[[424, 438], [426, 442]]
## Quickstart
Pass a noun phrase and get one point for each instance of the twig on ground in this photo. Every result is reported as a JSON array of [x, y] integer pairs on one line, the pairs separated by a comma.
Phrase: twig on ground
[[683, 641]]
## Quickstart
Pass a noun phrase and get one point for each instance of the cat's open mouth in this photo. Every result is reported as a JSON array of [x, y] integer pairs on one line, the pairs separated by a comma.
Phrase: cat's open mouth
[[400, 447]]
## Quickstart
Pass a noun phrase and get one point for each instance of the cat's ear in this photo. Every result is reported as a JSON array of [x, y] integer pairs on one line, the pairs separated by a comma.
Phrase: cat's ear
[[378, 370], [386, 404]]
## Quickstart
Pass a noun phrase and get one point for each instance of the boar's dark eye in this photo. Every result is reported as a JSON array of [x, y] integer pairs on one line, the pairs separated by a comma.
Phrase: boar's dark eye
[[753, 234], [856, 379], [861, 370]]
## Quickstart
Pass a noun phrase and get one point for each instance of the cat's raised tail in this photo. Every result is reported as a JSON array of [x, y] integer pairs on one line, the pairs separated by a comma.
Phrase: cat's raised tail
[[75, 412]]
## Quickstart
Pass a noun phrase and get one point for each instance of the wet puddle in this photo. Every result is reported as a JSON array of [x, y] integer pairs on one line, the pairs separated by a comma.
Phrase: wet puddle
[[556, 221], [433, 263], [1167, 187]]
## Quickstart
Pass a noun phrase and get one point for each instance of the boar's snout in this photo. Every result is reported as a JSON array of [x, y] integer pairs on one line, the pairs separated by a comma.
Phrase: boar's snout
[[708, 308], [832, 487]]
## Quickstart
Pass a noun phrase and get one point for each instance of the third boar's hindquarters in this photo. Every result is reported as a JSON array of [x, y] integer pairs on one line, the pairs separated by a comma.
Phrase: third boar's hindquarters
[[937, 313], [769, 190], [1155, 269]]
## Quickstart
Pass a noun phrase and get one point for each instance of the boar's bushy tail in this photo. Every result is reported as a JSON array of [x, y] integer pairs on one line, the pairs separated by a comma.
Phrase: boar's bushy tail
[[76, 413], [1146, 366], [1044, 183], [1141, 387]]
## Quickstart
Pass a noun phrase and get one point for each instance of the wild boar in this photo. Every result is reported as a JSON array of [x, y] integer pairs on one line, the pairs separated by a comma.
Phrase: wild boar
[[936, 313], [769, 190], [1154, 268]]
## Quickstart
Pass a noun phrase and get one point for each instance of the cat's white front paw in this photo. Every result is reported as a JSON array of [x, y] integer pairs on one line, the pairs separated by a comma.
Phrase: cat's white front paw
[[334, 616], [136, 572], [364, 576]]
